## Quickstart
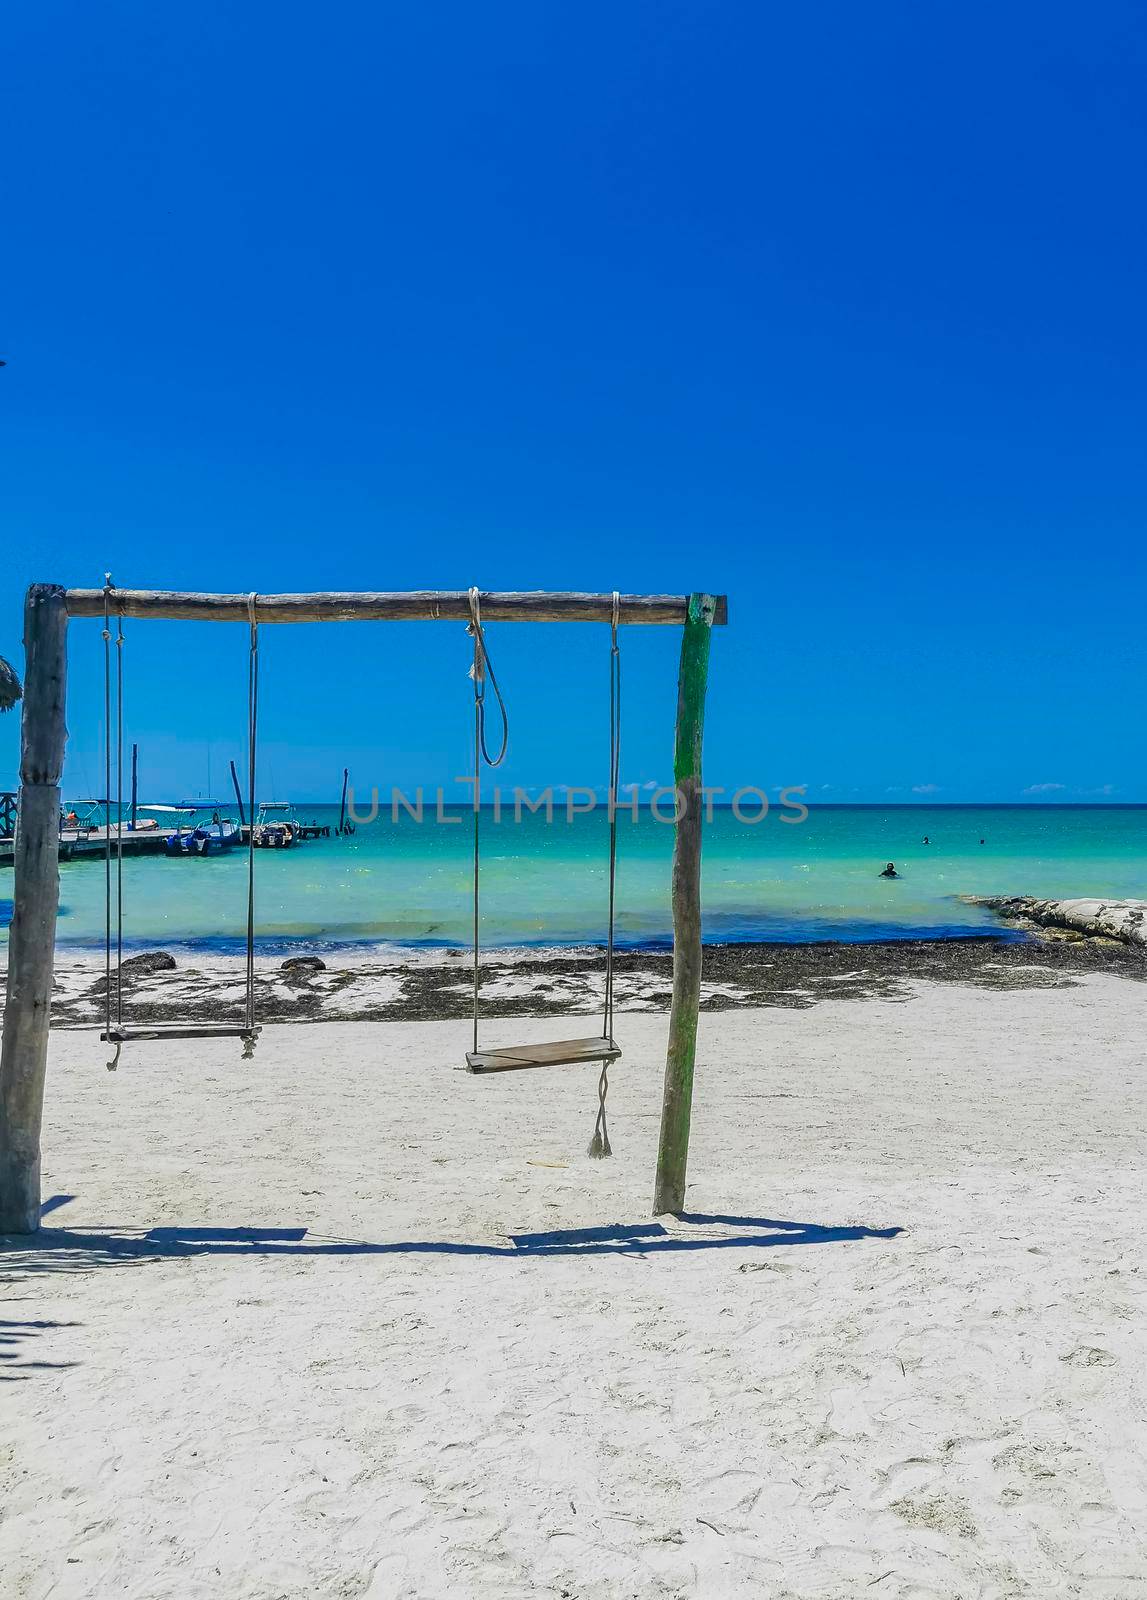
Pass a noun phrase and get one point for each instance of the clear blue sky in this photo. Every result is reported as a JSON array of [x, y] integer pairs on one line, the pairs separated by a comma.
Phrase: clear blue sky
[[837, 308]]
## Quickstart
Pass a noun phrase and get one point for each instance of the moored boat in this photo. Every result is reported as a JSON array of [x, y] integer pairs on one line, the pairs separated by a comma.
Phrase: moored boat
[[207, 839]]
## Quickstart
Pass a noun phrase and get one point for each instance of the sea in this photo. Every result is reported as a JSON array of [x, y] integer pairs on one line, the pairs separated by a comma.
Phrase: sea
[[401, 882]]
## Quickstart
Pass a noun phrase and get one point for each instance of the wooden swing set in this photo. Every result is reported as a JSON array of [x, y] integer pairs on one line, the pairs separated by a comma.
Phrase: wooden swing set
[[48, 608]]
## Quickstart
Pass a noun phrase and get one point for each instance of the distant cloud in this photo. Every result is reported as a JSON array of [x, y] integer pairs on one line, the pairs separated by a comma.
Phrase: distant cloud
[[652, 784], [1104, 789], [925, 788], [1044, 788]]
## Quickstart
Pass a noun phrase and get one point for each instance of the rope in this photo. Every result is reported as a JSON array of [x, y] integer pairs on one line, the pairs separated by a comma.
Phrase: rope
[[482, 667], [107, 635], [599, 1146], [614, 779], [119, 820], [252, 742], [251, 1030]]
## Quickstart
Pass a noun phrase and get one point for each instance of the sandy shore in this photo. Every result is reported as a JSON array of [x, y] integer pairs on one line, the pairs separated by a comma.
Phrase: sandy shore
[[344, 1322]]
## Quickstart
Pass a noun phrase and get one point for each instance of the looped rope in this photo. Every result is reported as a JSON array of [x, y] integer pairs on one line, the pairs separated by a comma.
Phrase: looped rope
[[482, 668]]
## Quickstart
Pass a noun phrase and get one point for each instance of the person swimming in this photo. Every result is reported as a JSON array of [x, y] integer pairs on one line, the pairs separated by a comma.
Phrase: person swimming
[[925, 840], [890, 871]]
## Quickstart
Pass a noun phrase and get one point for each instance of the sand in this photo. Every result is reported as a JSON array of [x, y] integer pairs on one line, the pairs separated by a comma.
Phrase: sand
[[345, 1322]]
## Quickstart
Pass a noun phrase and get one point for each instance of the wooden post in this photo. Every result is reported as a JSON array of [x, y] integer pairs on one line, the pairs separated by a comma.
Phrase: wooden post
[[342, 806], [31, 938], [239, 798], [677, 1102], [134, 782]]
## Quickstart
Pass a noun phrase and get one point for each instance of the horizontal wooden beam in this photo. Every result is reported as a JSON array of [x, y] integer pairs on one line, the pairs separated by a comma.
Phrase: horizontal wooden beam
[[421, 605]]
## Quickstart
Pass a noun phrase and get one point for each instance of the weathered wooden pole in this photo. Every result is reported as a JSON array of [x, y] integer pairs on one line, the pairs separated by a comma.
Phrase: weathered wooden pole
[[32, 935], [677, 1102], [239, 798], [342, 805], [421, 605]]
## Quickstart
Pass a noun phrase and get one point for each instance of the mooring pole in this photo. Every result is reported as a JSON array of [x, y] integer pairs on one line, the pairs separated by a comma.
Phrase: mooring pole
[[677, 1102], [134, 782], [239, 797], [31, 938], [342, 807]]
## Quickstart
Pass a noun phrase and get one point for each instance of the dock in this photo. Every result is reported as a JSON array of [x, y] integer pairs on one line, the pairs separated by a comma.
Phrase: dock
[[77, 843], [86, 841]]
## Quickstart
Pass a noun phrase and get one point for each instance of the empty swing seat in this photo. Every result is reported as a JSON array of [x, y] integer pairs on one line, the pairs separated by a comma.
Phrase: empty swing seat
[[128, 1031], [557, 1053]]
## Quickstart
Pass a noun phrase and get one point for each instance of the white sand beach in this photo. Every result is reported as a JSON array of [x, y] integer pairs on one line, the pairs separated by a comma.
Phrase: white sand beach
[[345, 1322]]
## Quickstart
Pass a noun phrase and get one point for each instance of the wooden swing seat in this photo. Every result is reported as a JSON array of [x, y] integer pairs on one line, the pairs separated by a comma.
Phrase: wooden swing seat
[[557, 1053], [128, 1032]]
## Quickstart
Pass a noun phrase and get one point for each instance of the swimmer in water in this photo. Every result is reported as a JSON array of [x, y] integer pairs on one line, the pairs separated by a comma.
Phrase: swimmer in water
[[890, 871]]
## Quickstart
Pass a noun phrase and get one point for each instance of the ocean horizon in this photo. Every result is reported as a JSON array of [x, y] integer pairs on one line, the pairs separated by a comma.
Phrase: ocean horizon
[[401, 883]]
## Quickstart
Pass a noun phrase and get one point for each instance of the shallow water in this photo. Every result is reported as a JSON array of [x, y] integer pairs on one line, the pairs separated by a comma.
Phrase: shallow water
[[545, 883]]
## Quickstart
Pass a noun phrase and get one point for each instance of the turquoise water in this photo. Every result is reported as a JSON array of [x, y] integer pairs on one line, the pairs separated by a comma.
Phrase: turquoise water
[[409, 883]]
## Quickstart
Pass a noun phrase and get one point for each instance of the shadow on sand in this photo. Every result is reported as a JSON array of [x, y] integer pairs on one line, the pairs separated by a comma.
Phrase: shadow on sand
[[63, 1250], [14, 1345]]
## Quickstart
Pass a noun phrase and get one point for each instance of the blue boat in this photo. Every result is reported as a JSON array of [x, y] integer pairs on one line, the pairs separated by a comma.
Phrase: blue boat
[[208, 839]]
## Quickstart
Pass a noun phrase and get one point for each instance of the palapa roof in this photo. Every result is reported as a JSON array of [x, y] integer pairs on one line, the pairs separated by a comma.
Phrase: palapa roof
[[10, 690]]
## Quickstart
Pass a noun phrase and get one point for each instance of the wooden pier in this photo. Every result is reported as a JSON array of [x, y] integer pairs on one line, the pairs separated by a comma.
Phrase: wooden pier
[[79, 843]]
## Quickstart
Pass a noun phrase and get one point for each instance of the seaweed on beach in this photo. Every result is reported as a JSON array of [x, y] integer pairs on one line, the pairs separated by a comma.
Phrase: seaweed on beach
[[567, 983]]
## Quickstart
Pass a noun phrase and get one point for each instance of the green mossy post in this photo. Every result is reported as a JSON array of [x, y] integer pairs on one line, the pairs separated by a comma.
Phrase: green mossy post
[[677, 1104]]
